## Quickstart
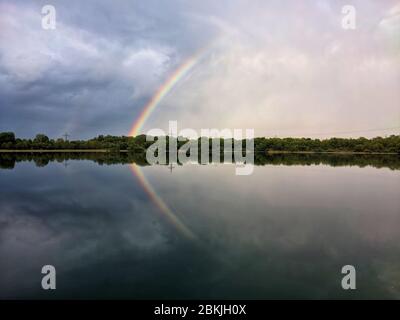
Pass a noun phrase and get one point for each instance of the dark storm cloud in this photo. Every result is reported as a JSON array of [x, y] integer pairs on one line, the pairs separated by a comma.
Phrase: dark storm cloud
[[92, 74]]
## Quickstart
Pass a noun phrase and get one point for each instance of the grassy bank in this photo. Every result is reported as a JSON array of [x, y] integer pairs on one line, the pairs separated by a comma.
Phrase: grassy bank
[[55, 150], [325, 152]]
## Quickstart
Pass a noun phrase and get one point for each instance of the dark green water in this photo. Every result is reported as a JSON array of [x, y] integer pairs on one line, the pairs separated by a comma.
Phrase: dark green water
[[283, 232]]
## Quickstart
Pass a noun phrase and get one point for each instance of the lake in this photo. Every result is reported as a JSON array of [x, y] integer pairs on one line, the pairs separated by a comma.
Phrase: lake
[[114, 227]]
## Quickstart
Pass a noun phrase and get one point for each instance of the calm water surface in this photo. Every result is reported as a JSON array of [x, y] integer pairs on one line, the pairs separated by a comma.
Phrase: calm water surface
[[199, 231]]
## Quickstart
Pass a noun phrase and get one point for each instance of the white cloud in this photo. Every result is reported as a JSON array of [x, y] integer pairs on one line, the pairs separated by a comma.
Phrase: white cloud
[[330, 81]]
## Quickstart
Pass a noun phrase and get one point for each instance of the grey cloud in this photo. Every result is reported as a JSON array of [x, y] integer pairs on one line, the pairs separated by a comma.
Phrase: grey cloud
[[279, 68], [102, 62]]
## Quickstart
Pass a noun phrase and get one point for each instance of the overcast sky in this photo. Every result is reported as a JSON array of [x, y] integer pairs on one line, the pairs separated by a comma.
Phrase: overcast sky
[[284, 68]]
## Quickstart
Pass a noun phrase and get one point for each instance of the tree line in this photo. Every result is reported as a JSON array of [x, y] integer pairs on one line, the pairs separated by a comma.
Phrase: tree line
[[138, 144]]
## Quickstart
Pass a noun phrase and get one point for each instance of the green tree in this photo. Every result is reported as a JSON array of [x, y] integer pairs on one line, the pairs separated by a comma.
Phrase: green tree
[[41, 138], [7, 139]]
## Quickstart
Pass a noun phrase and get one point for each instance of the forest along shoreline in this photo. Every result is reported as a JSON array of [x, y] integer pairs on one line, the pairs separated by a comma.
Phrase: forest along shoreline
[[42, 143]]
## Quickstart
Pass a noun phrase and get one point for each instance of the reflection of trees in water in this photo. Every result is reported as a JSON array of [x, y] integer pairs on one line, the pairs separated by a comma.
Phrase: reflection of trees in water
[[8, 160], [334, 160]]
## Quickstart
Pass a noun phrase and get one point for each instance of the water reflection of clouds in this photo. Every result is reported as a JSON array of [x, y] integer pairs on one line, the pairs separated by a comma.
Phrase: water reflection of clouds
[[281, 232], [313, 219], [76, 219]]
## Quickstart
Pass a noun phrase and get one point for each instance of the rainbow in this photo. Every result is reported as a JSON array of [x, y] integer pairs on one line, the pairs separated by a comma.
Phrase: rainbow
[[161, 93], [162, 206], [163, 90]]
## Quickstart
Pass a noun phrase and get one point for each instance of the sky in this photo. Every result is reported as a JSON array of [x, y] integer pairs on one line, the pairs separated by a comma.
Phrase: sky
[[282, 68]]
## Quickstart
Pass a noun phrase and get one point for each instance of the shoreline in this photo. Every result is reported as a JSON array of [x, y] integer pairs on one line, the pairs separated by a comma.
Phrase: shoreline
[[57, 150], [330, 152], [126, 151]]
